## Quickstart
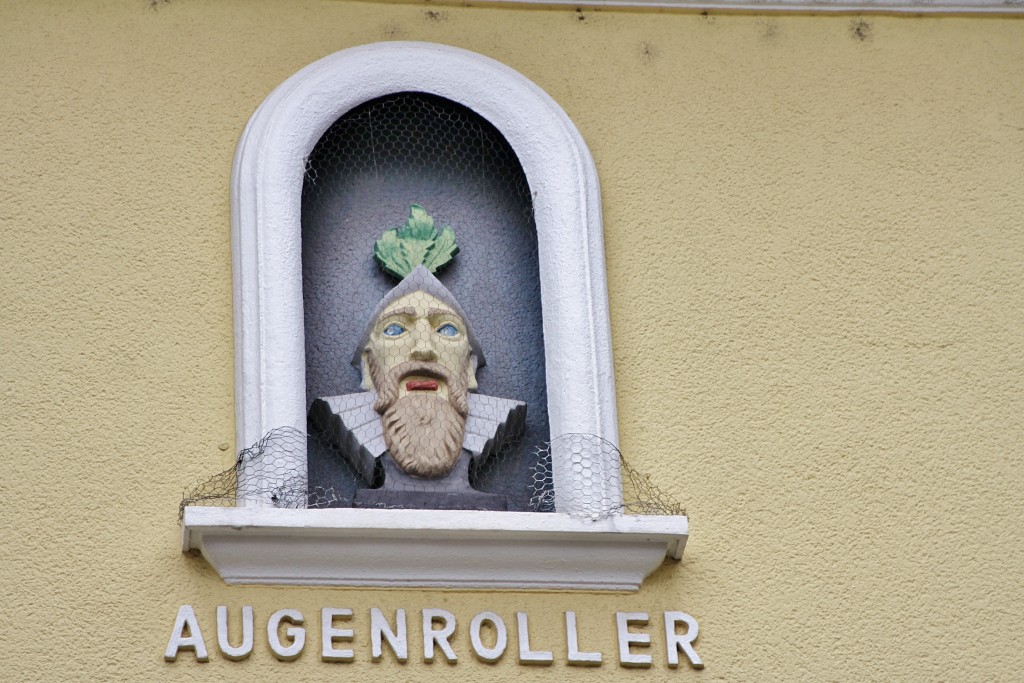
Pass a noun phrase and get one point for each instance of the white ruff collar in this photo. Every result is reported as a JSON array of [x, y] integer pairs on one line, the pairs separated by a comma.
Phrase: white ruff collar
[[354, 427]]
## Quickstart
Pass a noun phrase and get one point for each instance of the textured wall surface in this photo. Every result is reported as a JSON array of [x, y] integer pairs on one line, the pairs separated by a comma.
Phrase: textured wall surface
[[815, 261]]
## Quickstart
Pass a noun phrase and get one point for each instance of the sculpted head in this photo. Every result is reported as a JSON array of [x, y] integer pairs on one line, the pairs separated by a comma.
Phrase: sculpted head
[[423, 343], [420, 357]]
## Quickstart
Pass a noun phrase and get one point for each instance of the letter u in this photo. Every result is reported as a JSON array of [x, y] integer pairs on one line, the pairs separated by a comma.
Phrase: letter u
[[245, 649]]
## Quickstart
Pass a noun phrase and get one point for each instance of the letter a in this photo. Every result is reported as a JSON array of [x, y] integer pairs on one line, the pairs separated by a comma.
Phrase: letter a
[[194, 640]]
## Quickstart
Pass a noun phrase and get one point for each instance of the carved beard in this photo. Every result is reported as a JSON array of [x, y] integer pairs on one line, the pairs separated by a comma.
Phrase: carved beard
[[422, 430]]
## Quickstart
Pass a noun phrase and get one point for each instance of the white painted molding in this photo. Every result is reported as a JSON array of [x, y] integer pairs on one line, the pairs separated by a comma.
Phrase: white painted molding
[[823, 6], [266, 234], [406, 548]]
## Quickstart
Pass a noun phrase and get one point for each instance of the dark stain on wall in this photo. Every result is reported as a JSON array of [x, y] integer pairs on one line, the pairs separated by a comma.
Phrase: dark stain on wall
[[648, 52], [434, 15], [393, 31], [860, 30]]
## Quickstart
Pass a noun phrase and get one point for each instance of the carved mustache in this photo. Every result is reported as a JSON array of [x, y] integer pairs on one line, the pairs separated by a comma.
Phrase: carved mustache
[[426, 368], [387, 387]]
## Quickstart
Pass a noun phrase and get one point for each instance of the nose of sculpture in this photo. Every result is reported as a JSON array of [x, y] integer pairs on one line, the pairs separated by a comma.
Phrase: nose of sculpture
[[423, 350]]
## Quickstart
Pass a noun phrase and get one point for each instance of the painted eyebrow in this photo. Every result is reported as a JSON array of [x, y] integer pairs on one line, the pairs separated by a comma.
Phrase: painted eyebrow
[[405, 312], [441, 312]]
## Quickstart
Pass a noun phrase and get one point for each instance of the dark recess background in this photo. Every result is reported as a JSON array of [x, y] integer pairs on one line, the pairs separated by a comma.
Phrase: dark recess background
[[361, 179]]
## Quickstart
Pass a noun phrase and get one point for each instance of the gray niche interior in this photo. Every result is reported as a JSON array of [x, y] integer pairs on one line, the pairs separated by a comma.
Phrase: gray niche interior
[[361, 178]]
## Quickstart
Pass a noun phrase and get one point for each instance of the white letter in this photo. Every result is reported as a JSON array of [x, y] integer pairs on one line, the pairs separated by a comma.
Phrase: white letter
[[194, 639], [379, 627], [328, 633], [296, 633], [577, 658], [439, 636], [541, 657], [488, 654], [675, 642], [245, 649], [622, 622]]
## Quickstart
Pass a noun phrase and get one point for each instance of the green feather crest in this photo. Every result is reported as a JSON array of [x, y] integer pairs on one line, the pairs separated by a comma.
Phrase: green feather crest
[[400, 250]]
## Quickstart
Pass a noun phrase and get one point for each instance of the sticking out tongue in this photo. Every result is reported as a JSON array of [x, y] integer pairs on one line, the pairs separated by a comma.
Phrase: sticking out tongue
[[421, 385]]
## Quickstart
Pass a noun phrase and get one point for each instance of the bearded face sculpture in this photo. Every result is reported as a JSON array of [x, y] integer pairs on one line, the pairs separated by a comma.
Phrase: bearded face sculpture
[[417, 425], [417, 359]]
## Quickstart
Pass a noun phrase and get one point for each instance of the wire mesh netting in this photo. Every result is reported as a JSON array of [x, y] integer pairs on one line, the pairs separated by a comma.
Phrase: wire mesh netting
[[585, 455], [594, 469], [414, 133]]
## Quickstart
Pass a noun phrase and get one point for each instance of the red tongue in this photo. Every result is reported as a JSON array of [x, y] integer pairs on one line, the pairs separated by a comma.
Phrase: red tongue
[[421, 385]]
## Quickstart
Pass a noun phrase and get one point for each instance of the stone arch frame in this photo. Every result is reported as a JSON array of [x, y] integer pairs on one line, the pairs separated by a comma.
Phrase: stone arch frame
[[266, 238]]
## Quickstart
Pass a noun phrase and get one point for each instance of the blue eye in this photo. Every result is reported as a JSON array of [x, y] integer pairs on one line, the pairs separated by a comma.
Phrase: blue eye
[[393, 330], [448, 330]]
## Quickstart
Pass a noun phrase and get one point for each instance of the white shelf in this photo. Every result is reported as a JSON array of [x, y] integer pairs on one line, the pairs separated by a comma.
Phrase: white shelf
[[431, 548]]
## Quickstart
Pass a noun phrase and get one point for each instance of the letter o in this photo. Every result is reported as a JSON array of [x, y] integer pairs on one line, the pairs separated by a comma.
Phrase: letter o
[[488, 654]]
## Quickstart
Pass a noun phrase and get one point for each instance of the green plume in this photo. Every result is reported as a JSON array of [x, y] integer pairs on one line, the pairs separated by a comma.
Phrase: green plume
[[400, 250]]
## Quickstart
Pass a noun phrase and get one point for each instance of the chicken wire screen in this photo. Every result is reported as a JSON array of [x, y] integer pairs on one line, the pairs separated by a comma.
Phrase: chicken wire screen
[[292, 489], [361, 178]]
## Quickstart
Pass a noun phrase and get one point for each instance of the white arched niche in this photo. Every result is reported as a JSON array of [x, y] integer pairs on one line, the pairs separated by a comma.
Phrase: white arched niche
[[269, 327], [270, 360]]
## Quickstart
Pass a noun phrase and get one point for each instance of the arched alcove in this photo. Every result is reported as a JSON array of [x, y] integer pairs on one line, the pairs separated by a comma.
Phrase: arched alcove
[[267, 238], [259, 542]]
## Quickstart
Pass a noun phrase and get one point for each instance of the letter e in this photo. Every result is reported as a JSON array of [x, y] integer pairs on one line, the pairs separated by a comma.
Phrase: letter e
[[328, 634], [622, 623]]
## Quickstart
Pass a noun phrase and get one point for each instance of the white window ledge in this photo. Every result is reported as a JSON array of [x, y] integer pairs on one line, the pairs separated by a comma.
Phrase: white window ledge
[[445, 549]]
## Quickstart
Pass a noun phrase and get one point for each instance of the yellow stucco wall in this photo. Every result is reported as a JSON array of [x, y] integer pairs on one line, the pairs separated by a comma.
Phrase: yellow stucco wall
[[815, 249]]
